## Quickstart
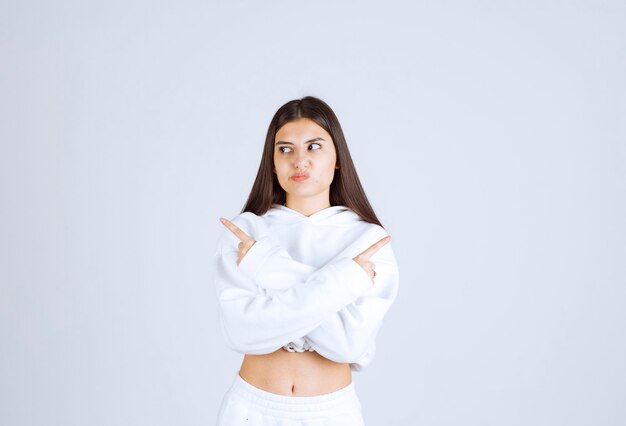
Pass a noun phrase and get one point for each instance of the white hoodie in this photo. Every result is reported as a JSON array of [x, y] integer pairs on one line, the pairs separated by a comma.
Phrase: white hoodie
[[298, 287]]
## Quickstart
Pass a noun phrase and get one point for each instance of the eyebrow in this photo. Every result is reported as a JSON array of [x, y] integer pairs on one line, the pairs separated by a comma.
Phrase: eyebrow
[[291, 143]]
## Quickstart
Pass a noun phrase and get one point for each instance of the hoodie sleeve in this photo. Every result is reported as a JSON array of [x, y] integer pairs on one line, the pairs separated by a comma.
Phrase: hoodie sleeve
[[347, 334], [254, 321]]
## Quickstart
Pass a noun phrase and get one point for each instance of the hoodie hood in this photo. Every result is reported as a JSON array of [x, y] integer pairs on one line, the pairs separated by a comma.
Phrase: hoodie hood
[[332, 216], [317, 238]]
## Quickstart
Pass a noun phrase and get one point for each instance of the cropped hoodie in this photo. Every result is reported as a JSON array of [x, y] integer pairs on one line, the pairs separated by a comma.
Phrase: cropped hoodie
[[299, 288]]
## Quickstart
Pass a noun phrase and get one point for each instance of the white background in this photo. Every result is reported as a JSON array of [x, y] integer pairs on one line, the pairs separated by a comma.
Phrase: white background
[[489, 137]]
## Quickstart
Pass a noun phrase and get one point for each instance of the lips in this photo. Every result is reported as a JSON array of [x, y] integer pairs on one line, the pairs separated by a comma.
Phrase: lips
[[300, 177]]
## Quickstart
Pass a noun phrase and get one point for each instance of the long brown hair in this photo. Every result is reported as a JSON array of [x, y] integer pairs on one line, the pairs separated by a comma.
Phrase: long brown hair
[[345, 188]]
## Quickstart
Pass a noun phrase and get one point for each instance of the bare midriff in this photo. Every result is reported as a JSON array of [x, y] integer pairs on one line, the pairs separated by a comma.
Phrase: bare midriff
[[295, 373]]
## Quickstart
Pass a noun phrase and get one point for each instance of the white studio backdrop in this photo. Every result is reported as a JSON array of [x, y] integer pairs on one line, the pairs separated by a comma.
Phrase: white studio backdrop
[[489, 137]]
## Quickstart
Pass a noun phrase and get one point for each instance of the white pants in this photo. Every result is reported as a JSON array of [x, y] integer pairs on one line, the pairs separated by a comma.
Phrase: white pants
[[244, 404]]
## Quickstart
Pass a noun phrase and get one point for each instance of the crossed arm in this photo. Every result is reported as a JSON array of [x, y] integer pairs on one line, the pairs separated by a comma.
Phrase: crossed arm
[[336, 308]]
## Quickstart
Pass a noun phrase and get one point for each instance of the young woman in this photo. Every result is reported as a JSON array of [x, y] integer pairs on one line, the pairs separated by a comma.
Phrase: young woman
[[304, 277]]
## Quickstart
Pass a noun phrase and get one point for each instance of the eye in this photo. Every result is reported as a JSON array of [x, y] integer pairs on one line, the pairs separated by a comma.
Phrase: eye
[[280, 148], [320, 146]]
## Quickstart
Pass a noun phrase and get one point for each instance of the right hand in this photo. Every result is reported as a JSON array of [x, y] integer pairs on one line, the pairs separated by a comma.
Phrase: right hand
[[246, 241], [363, 258]]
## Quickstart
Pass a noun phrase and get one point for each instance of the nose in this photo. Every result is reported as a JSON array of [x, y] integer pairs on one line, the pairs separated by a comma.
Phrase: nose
[[302, 162]]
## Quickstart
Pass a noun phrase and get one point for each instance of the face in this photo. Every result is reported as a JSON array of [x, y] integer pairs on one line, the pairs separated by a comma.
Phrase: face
[[304, 161]]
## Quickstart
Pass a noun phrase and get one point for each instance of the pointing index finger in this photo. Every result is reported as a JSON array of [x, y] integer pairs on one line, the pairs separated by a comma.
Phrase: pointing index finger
[[369, 252], [235, 230]]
